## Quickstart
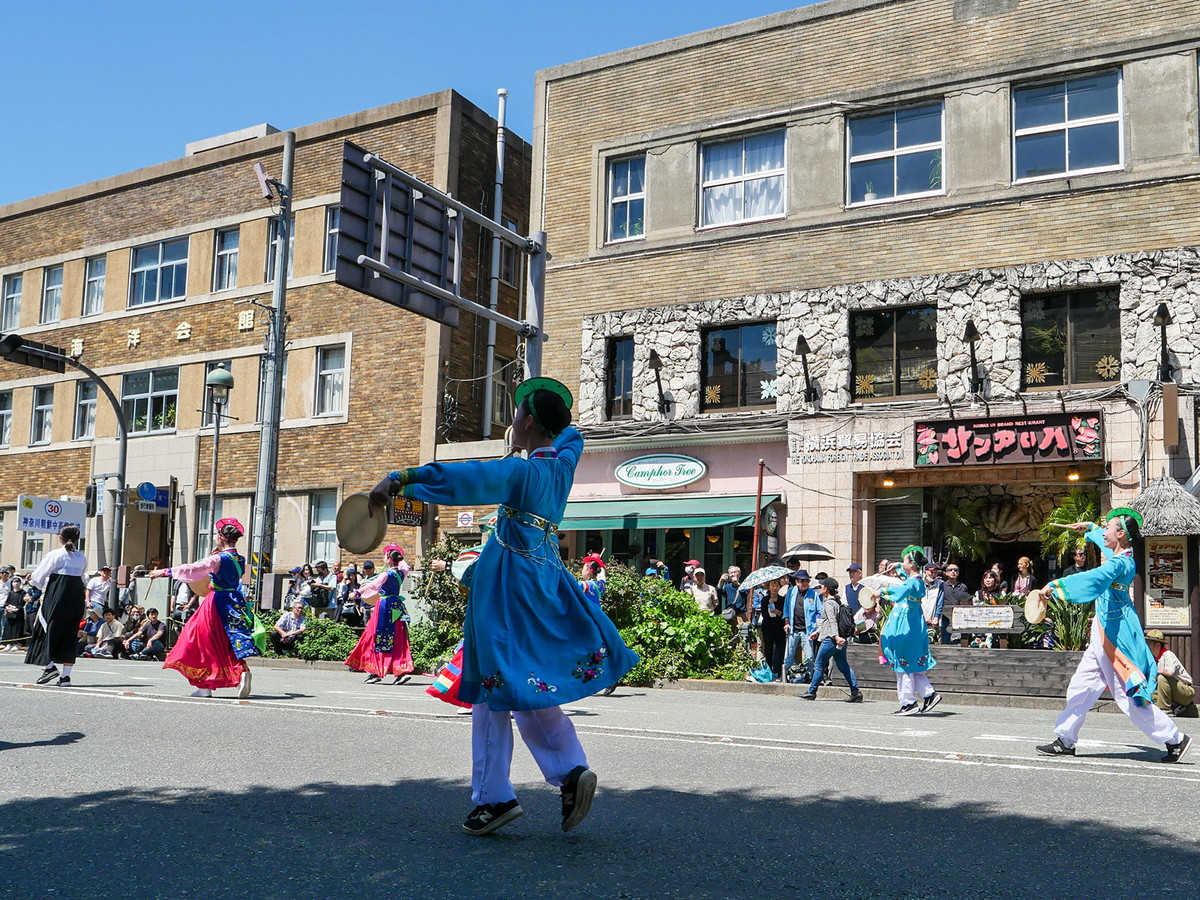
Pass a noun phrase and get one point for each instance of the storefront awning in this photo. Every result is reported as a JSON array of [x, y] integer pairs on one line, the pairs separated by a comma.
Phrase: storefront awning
[[661, 512]]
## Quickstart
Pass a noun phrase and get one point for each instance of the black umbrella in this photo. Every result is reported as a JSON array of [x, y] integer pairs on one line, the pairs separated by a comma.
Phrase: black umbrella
[[808, 552]]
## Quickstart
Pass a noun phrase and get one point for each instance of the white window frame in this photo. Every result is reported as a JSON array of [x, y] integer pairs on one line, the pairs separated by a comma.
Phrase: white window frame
[[52, 285], [333, 226], [85, 410], [202, 520], [894, 154], [626, 200], [6, 413], [33, 548], [1067, 125], [510, 269], [324, 375], [94, 283], [502, 393], [41, 424], [10, 311], [150, 397], [225, 260], [323, 529], [273, 248], [159, 268], [743, 179]]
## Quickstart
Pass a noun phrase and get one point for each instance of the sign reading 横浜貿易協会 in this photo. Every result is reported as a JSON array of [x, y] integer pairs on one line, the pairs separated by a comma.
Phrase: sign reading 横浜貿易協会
[[660, 471], [1054, 437]]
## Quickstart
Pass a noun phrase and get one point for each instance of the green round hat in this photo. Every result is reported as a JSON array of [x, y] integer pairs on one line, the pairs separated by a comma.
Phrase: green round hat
[[527, 387]]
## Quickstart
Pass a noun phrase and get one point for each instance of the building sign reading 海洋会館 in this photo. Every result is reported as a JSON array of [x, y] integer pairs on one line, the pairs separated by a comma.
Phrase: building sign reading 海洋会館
[[1055, 437], [660, 471], [1167, 583], [846, 446]]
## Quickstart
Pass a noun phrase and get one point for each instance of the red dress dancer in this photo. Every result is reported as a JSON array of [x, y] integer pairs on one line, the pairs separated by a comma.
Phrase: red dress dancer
[[383, 648], [216, 640]]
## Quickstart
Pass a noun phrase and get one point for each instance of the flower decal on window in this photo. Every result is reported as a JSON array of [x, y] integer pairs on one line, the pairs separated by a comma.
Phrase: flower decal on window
[[927, 320], [927, 378], [768, 335], [1035, 373], [864, 327], [1108, 367], [539, 686], [768, 389], [712, 393], [864, 386]]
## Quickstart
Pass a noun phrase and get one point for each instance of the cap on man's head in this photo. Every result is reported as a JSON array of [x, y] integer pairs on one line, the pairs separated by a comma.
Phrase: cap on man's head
[[931, 567], [106, 568], [699, 570], [1155, 635], [802, 575], [854, 567], [830, 584], [692, 562], [368, 564], [296, 570]]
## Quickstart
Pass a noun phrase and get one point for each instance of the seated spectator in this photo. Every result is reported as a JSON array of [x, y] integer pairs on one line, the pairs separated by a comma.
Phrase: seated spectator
[[87, 631], [99, 586], [107, 636], [185, 603], [288, 629], [133, 624], [148, 642], [1175, 692]]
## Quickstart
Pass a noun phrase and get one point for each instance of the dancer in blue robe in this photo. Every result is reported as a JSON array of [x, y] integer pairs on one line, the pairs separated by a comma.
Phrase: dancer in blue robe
[[904, 643], [532, 640]]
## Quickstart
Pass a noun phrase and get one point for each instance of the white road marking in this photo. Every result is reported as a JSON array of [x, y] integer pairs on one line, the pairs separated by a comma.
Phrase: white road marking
[[910, 732], [1083, 742]]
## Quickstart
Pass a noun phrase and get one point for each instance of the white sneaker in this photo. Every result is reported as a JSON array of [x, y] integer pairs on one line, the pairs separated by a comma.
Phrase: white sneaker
[[244, 688], [202, 692]]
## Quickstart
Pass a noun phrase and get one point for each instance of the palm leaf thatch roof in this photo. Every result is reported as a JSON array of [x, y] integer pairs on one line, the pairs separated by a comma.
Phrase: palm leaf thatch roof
[[1167, 508]]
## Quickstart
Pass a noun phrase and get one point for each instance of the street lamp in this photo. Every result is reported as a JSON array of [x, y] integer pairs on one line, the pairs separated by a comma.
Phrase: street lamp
[[1162, 318], [219, 383], [971, 338], [656, 364], [802, 350]]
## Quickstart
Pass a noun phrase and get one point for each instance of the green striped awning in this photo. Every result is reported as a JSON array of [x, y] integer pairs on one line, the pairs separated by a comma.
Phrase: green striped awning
[[706, 511]]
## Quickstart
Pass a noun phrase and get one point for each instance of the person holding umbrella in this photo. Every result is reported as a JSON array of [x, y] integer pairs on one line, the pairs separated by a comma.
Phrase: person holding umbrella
[[904, 643]]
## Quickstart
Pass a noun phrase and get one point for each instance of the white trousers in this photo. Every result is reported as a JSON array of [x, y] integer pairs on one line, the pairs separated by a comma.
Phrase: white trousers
[[1095, 673], [909, 684], [548, 734]]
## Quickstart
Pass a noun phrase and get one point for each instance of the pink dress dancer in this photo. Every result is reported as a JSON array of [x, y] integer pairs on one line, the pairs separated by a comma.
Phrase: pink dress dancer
[[383, 648]]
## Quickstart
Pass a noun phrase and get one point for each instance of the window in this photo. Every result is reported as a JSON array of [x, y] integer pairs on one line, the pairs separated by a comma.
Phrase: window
[[739, 366], [85, 410], [43, 415], [627, 198], [273, 247], [159, 272], [333, 224], [619, 379], [262, 388], [742, 180], [226, 259], [33, 549], [1071, 338], [331, 375], [206, 413], [502, 392], [322, 536], [5, 418], [896, 154], [893, 352], [1067, 128], [204, 520], [94, 275], [510, 270], [10, 313], [52, 277], [149, 400]]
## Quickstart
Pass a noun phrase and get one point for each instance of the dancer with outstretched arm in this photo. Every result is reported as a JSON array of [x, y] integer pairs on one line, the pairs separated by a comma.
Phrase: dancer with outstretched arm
[[383, 647], [1117, 657], [221, 634], [532, 640], [55, 639], [904, 643]]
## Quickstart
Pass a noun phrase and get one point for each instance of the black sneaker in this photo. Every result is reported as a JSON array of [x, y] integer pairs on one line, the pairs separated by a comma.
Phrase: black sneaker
[[375, 679], [807, 696], [856, 697], [1175, 751], [402, 679], [64, 681], [931, 701], [48, 675], [577, 793], [487, 818], [910, 710], [1058, 748]]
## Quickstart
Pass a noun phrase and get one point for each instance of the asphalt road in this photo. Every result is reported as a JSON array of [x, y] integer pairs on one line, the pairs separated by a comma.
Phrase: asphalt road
[[321, 786]]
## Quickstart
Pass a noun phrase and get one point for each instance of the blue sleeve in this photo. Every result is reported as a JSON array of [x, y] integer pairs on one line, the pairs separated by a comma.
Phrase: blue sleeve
[[789, 603], [941, 602], [1096, 536], [1084, 587], [463, 483], [569, 446]]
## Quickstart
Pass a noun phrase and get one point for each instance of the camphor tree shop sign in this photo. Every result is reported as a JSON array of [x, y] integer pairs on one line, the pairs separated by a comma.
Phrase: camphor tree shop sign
[[660, 471]]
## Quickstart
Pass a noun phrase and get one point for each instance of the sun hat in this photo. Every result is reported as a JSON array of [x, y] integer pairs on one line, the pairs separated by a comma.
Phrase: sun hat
[[1155, 635]]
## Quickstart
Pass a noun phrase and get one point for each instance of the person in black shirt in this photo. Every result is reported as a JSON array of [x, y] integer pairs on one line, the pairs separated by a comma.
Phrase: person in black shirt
[[1079, 562]]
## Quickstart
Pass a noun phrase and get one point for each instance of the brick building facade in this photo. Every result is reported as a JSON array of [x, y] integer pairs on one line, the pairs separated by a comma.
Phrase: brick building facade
[[147, 276], [884, 180]]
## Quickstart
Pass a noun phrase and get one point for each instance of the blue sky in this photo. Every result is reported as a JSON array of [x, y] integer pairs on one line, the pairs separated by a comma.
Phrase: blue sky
[[92, 89]]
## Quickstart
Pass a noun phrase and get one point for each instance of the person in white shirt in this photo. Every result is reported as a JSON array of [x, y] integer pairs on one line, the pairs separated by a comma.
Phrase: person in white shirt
[[1175, 692], [108, 637], [55, 633], [703, 592], [98, 588], [287, 628]]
